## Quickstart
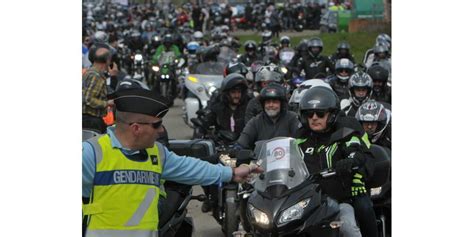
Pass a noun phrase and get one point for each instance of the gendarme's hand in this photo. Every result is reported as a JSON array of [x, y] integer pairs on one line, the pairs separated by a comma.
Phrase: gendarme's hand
[[241, 173]]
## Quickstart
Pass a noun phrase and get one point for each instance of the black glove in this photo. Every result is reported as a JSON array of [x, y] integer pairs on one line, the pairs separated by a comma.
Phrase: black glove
[[344, 168]]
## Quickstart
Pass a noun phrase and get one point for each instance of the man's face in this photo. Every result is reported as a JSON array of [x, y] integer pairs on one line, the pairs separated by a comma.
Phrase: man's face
[[315, 50], [343, 52], [360, 92], [370, 127], [235, 95], [272, 107], [343, 72], [149, 131], [378, 85], [380, 56], [317, 120]]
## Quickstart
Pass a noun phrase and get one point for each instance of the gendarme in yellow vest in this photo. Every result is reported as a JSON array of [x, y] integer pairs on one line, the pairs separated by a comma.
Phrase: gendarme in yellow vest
[[125, 195]]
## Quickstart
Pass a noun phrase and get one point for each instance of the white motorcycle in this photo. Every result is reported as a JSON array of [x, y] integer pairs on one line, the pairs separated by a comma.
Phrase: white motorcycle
[[200, 85]]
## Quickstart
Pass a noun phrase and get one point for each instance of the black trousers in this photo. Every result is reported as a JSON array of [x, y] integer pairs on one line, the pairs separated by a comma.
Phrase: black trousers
[[93, 123], [365, 215]]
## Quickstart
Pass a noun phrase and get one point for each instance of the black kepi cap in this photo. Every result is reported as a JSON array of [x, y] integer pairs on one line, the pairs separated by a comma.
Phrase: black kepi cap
[[140, 101]]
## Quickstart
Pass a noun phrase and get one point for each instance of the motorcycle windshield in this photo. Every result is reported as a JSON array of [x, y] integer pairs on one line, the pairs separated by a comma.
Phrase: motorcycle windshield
[[166, 58], [226, 54], [210, 68], [282, 162], [286, 55]]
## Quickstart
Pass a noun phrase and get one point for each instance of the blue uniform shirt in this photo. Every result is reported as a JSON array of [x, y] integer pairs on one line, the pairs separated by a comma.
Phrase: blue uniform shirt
[[180, 169]]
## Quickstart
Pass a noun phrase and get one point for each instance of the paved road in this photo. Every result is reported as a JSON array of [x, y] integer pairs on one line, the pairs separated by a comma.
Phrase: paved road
[[204, 223]]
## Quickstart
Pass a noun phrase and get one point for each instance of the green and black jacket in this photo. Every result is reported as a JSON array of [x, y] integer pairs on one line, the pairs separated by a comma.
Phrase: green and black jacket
[[347, 140]]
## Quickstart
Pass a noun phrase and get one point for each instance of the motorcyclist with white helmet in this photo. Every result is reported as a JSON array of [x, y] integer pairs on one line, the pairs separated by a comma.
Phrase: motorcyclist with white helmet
[[376, 120], [198, 36], [385, 42], [285, 42], [340, 82]]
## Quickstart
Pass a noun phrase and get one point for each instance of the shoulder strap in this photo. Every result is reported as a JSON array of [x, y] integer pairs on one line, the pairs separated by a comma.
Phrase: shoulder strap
[[94, 142]]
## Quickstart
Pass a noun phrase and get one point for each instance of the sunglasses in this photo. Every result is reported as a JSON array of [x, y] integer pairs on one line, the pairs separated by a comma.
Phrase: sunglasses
[[310, 113], [154, 125]]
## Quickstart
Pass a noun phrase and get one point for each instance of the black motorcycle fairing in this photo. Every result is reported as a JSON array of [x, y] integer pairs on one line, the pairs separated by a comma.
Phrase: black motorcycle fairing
[[319, 211]]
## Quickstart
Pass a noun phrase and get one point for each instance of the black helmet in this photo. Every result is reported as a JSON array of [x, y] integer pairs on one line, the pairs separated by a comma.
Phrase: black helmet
[[315, 46], [250, 45], [373, 111], [360, 80], [285, 40], [378, 73], [236, 67], [343, 48], [273, 91], [344, 64], [168, 39], [322, 99], [302, 46], [233, 80]]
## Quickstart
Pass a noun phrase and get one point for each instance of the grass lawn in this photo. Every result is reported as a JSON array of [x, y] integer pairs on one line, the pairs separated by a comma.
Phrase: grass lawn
[[359, 42]]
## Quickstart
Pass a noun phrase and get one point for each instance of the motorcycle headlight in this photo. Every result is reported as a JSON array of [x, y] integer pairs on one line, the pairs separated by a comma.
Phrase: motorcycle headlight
[[163, 76], [155, 68], [138, 57], [375, 191], [284, 70], [167, 76], [294, 212], [259, 216]]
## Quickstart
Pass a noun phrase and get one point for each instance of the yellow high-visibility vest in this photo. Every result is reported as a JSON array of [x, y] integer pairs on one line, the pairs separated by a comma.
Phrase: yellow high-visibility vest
[[124, 200]]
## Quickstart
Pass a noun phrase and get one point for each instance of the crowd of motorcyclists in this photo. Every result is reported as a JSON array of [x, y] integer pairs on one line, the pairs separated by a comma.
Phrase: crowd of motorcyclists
[[334, 123]]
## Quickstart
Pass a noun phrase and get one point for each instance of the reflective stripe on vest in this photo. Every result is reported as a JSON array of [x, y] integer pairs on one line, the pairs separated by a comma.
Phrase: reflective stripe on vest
[[121, 233], [125, 193]]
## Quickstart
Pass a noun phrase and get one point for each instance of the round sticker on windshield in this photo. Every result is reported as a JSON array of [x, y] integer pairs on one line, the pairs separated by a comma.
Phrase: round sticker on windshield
[[278, 153]]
